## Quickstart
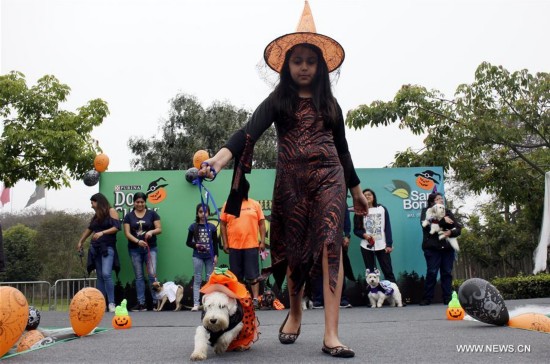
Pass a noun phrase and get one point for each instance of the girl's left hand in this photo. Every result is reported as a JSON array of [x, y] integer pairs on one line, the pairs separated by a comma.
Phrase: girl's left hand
[[448, 220], [148, 235]]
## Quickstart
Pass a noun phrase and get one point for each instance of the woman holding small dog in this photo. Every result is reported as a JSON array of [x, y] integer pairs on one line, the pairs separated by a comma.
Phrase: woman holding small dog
[[141, 227], [439, 254], [204, 241], [374, 230], [314, 170]]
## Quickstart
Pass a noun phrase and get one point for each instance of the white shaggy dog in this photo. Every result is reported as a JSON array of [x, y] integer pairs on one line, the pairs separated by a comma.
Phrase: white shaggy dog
[[220, 324], [379, 291], [434, 215]]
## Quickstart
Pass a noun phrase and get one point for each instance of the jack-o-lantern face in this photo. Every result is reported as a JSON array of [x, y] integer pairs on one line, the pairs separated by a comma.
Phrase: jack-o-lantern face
[[122, 322], [157, 196], [455, 313], [424, 183]]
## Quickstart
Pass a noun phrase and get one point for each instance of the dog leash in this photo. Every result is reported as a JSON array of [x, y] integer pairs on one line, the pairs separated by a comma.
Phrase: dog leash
[[149, 264]]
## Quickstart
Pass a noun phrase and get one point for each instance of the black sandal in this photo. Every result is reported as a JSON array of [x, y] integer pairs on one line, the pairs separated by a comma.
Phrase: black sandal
[[338, 351], [285, 338]]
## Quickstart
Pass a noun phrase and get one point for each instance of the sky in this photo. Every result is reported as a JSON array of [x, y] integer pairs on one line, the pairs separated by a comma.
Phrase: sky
[[139, 54]]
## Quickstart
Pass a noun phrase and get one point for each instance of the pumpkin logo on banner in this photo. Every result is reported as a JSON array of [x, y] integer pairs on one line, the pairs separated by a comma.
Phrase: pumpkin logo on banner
[[86, 310], [14, 313], [156, 193]]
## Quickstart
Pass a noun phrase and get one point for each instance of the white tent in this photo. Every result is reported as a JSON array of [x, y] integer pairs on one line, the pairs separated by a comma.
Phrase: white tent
[[541, 253]]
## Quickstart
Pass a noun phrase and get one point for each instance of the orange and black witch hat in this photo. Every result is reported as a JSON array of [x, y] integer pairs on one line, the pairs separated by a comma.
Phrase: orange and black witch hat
[[333, 53]]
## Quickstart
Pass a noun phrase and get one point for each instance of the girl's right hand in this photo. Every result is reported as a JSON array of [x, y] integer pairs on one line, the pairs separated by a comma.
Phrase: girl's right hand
[[216, 163]]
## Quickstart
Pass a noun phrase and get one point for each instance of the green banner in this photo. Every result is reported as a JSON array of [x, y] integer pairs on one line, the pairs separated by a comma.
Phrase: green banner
[[403, 191]]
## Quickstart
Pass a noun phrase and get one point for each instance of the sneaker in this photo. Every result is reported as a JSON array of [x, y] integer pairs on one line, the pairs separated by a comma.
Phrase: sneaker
[[140, 307], [345, 305], [256, 304], [317, 305], [425, 303], [195, 308], [112, 307]]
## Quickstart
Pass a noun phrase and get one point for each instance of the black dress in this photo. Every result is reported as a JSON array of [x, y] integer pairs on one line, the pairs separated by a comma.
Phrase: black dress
[[314, 168]]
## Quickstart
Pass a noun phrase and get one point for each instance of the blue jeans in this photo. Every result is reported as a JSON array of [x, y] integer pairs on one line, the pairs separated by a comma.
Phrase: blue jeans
[[198, 264], [104, 271], [439, 261], [140, 256]]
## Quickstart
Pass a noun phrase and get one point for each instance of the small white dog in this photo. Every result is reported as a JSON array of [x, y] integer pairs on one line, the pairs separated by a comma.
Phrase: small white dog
[[434, 215], [379, 291], [221, 324]]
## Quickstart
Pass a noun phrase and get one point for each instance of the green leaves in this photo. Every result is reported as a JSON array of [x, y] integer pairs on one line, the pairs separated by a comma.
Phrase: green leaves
[[191, 127], [41, 142]]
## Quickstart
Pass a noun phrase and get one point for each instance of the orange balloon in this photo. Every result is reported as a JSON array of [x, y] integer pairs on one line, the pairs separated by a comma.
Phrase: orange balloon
[[199, 157], [29, 339], [14, 313], [86, 310], [531, 321], [101, 162]]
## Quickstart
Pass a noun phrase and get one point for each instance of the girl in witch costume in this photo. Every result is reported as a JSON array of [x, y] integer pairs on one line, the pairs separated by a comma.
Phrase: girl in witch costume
[[314, 169]]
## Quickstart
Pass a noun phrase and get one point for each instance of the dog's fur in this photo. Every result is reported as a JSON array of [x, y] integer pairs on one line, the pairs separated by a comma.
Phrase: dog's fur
[[377, 295], [267, 299], [218, 308], [163, 297], [435, 216]]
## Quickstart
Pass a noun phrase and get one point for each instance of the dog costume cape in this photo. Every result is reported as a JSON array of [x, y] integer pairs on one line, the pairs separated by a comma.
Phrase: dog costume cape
[[224, 281], [169, 289], [383, 286]]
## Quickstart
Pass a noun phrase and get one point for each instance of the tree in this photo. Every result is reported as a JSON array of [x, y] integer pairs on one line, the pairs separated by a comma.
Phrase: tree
[[22, 259], [494, 136], [40, 142], [189, 128], [56, 240]]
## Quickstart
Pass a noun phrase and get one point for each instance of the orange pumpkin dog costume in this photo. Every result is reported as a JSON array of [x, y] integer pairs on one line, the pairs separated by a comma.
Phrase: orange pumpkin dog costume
[[223, 280]]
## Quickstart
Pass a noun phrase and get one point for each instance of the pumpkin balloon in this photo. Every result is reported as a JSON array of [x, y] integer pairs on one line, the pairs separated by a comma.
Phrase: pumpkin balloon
[[481, 300], [531, 321], [34, 318], [86, 310], [101, 162], [29, 339], [14, 312], [91, 178], [199, 157]]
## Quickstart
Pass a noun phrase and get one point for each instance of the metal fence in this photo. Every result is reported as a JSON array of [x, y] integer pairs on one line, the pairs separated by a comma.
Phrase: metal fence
[[42, 295]]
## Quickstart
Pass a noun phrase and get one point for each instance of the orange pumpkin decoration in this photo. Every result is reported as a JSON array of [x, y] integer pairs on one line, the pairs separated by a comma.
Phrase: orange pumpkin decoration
[[199, 157], [531, 321], [101, 162], [455, 310], [122, 322], [121, 319], [86, 310], [29, 339], [455, 313], [14, 313]]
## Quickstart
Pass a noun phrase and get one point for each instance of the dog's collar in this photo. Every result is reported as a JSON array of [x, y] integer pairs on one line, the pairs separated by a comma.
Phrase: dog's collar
[[234, 320]]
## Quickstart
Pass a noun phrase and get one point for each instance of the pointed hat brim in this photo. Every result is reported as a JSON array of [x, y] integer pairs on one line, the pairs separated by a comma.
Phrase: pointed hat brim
[[275, 52], [306, 32]]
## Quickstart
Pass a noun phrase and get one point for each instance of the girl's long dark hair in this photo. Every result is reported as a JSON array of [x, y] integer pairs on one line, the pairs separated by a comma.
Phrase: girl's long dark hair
[[374, 200], [198, 220], [285, 96], [102, 207]]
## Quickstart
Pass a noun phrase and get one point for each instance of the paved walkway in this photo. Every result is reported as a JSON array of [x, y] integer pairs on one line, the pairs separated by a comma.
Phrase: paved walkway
[[411, 334]]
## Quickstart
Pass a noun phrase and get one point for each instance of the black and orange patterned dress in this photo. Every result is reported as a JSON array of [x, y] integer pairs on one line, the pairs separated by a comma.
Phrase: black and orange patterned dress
[[314, 168]]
